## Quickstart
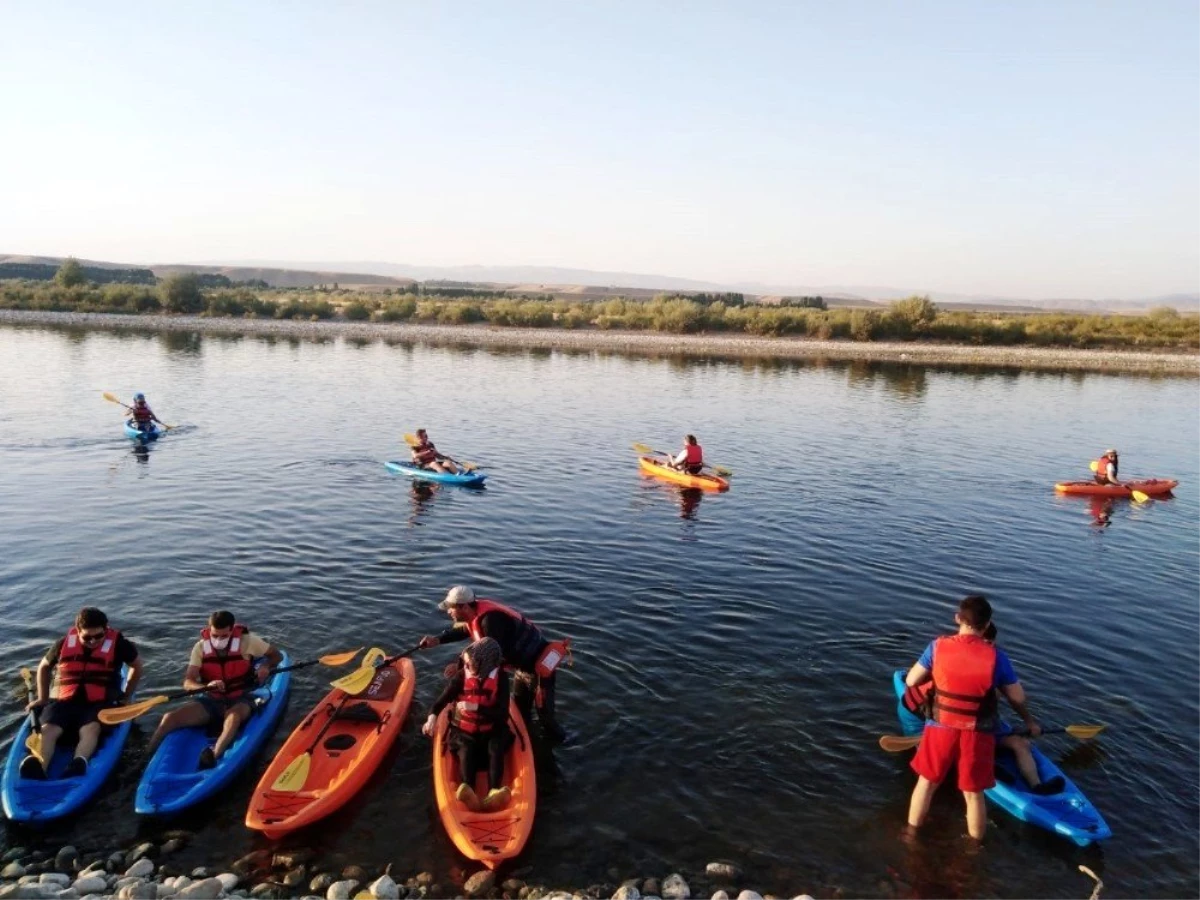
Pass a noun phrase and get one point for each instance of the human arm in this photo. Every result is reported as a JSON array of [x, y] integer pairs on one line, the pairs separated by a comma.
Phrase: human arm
[[920, 672], [448, 695], [455, 632], [135, 675], [1015, 695], [45, 672], [1110, 472]]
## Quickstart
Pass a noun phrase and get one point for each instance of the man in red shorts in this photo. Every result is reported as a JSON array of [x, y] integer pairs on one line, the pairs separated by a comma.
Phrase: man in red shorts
[[967, 672]]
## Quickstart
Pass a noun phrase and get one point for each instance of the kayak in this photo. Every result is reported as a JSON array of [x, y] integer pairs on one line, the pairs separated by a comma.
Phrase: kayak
[[32, 800], [662, 470], [487, 837], [363, 730], [1153, 487], [173, 781], [1068, 813], [133, 432], [466, 478]]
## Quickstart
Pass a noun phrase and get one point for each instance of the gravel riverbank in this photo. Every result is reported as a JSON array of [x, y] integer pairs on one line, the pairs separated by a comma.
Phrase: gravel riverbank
[[643, 343]]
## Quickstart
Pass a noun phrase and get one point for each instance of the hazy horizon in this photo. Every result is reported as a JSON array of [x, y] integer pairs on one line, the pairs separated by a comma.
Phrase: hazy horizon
[[1026, 151]]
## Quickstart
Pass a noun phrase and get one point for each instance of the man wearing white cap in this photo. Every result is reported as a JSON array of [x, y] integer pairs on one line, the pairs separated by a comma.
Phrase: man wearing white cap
[[525, 649]]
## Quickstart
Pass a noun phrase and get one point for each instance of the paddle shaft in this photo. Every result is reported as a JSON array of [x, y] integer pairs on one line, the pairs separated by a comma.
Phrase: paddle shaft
[[387, 661]]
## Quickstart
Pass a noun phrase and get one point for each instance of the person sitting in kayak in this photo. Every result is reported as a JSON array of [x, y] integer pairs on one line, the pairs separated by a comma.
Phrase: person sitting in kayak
[[425, 455], [967, 673], [919, 701], [222, 663], [143, 416], [525, 649], [479, 691], [690, 459], [86, 665], [1106, 468]]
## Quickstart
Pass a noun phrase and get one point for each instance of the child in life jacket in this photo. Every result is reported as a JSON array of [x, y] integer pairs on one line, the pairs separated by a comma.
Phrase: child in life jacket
[[691, 458], [918, 700], [479, 692]]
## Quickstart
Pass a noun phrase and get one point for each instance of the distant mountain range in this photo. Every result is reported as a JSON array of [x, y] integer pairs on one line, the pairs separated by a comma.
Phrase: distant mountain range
[[590, 283]]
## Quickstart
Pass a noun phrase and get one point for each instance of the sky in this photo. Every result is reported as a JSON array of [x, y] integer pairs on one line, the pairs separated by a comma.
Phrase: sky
[[1024, 149]]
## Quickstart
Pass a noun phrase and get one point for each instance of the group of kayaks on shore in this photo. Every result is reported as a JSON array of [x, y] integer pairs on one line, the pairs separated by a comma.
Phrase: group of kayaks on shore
[[236, 685]]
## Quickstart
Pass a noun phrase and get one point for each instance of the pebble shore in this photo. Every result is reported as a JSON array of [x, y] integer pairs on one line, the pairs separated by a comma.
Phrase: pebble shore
[[642, 343]]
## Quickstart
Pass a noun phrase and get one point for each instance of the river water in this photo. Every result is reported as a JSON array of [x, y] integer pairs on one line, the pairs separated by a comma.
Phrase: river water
[[732, 652]]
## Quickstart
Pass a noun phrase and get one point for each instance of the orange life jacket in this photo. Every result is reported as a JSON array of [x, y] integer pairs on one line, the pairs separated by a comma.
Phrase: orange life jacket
[[528, 643], [964, 671], [478, 698], [93, 670], [1102, 465], [695, 455], [228, 665], [916, 699]]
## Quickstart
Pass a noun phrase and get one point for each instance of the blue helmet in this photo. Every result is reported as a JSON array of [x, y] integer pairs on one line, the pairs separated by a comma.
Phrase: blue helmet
[[137, 397]]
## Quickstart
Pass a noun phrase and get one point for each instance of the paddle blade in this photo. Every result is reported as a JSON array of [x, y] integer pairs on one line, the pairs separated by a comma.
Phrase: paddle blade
[[33, 744], [1084, 732], [293, 777], [119, 714], [411, 440], [469, 466], [894, 743], [643, 449], [1093, 466], [359, 679], [339, 659], [373, 657], [722, 471], [1139, 496], [112, 399]]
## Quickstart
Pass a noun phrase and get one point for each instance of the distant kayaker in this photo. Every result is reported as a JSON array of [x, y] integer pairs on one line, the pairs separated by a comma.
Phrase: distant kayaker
[[143, 416], [1106, 468], [478, 729], [967, 671], [691, 458], [919, 700], [425, 455], [222, 662], [525, 649], [86, 665]]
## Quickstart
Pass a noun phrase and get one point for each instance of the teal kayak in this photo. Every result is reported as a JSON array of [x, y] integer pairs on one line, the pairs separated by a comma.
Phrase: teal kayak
[[173, 781], [1068, 813], [467, 478], [134, 433], [34, 800]]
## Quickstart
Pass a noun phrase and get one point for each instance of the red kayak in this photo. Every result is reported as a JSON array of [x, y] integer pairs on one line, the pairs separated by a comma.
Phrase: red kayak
[[1151, 487]]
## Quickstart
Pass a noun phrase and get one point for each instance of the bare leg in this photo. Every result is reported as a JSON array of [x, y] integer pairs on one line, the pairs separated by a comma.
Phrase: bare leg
[[187, 716], [238, 714], [89, 737], [976, 814], [922, 796], [50, 736], [1020, 749]]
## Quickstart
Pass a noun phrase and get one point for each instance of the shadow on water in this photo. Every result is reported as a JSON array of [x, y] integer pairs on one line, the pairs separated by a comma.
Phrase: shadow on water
[[184, 343], [902, 381]]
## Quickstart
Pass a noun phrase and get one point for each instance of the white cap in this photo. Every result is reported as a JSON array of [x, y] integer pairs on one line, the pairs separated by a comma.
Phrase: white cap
[[458, 595]]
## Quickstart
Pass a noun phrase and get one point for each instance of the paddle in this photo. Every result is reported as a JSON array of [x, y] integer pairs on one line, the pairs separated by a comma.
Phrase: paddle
[[412, 441], [894, 743], [293, 777], [112, 399], [358, 680], [1138, 496], [33, 743], [119, 714], [645, 450]]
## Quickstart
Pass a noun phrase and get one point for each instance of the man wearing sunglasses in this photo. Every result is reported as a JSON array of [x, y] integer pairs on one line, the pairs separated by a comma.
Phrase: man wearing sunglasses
[[86, 667]]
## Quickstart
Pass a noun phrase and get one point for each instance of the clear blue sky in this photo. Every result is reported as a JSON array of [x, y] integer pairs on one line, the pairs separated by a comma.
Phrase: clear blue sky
[[1030, 149]]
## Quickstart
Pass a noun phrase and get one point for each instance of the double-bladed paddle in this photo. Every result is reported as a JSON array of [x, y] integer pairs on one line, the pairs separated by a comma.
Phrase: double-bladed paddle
[[119, 714], [1138, 496], [413, 441], [33, 743], [112, 399], [647, 450], [358, 680], [895, 743]]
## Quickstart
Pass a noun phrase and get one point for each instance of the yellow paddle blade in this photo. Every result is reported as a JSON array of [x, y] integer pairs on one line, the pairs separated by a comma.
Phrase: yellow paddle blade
[[119, 714], [1084, 732], [411, 439], [1092, 465], [642, 449], [722, 471], [293, 777], [894, 743], [339, 659], [33, 744], [1139, 496], [112, 398], [469, 466], [359, 679], [27, 677], [374, 657]]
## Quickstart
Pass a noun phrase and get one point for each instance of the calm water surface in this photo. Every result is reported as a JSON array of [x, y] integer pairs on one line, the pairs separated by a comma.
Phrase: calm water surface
[[733, 652]]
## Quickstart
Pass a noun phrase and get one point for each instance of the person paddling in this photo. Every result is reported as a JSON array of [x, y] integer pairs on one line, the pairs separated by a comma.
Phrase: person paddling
[[1106, 468], [143, 416], [86, 665], [223, 662], [967, 671], [919, 701], [426, 455], [523, 645], [478, 729], [691, 458]]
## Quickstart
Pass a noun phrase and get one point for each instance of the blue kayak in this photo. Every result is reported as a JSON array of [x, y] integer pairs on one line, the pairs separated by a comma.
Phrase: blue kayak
[[33, 800], [173, 781], [133, 432], [1068, 813], [467, 478]]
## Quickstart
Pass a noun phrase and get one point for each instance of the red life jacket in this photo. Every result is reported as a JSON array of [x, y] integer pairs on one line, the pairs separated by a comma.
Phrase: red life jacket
[[142, 412], [695, 455], [916, 699], [228, 665], [426, 452], [1102, 465], [527, 642], [964, 669], [93, 670], [478, 697]]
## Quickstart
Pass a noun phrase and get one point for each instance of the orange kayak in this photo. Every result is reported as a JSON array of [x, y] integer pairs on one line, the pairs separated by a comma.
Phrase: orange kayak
[[662, 470], [493, 836], [1153, 487], [351, 749]]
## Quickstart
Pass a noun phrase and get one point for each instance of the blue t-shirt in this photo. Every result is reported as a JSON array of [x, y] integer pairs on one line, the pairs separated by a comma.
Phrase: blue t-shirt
[[1003, 676]]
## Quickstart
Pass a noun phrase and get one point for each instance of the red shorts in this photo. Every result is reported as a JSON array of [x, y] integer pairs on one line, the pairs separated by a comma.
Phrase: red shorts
[[973, 751]]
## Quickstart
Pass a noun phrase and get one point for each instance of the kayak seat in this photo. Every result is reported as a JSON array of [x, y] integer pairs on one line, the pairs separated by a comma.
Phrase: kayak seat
[[359, 712]]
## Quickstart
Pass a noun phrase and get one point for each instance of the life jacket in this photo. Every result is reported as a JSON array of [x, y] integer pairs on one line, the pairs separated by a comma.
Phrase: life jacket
[[93, 670], [426, 452], [228, 665], [917, 700], [478, 697], [695, 455], [1102, 465], [527, 642], [142, 412], [964, 669]]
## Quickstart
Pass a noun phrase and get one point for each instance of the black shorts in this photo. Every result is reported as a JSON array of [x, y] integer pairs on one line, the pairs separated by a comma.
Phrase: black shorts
[[69, 715], [217, 707]]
